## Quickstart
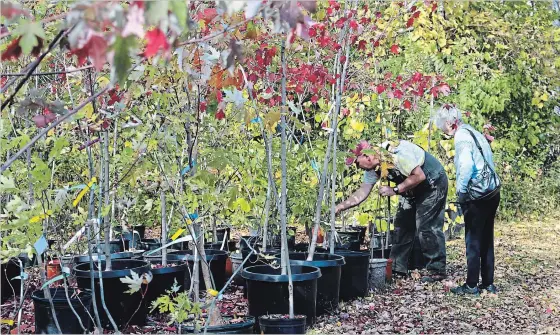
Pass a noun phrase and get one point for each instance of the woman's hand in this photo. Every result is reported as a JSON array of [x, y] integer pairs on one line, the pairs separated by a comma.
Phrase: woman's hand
[[386, 191]]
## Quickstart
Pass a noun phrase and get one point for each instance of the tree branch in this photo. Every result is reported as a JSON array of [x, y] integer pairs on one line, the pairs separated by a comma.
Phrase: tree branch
[[58, 121]]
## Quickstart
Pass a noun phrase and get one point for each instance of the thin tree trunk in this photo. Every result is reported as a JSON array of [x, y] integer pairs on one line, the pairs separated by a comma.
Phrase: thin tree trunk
[[286, 268], [105, 194], [92, 277], [163, 227]]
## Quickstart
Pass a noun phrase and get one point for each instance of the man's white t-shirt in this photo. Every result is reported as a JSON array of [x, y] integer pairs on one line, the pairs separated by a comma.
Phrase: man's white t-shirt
[[406, 157]]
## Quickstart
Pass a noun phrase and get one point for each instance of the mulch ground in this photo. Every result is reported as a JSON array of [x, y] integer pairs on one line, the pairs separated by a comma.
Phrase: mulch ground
[[528, 301]]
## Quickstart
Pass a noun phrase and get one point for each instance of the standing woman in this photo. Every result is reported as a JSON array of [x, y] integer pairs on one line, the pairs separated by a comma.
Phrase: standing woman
[[478, 192]]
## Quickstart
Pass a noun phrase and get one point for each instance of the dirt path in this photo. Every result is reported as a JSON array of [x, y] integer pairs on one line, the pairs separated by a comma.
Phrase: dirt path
[[527, 275]]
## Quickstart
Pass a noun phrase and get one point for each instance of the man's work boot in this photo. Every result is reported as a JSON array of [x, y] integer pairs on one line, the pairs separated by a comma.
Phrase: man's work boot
[[490, 288], [465, 289]]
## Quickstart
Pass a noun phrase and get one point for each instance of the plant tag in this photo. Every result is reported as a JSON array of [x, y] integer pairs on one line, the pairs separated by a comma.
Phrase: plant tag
[[177, 234], [41, 245]]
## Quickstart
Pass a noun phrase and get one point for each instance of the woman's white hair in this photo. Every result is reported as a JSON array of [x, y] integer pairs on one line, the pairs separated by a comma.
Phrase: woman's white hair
[[447, 113]]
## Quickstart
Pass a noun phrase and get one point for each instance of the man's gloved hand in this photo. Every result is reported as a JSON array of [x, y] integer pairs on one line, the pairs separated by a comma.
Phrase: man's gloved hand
[[462, 198]]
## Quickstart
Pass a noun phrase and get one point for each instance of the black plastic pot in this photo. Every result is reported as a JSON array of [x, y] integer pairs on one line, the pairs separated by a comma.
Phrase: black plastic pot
[[114, 246], [247, 239], [141, 230], [377, 253], [133, 240], [118, 255], [281, 324], [349, 240], [125, 308], [244, 327], [257, 259], [214, 246], [164, 278], [28, 262], [277, 239], [9, 270], [150, 243], [67, 320], [220, 233], [232, 245], [328, 286], [362, 230], [267, 290], [304, 247], [354, 275], [217, 261]]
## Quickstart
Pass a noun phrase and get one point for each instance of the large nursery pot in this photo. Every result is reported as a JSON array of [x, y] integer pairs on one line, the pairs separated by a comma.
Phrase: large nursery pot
[[267, 290], [354, 274], [67, 320], [243, 326], [96, 257], [347, 240], [122, 306], [328, 285], [216, 259], [282, 324], [114, 246], [165, 277], [10, 269]]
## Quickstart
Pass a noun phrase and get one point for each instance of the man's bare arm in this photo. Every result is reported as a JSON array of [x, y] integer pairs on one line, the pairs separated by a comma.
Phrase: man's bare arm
[[416, 177], [356, 198]]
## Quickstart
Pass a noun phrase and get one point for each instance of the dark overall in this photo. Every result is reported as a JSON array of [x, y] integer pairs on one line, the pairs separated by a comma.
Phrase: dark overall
[[421, 213]]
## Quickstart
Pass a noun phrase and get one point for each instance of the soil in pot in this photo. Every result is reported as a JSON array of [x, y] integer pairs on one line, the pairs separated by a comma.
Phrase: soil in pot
[[9, 270], [125, 308], [267, 291], [216, 259], [67, 320], [354, 274], [328, 285], [230, 325], [282, 324], [164, 278]]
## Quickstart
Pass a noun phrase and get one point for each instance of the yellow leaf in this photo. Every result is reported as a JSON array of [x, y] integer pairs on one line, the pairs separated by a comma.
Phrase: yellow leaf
[[84, 191], [7, 322], [88, 111], [103, 81], [357, 126], [177, 234], [384, 169], [271, 119], [213, 293], [544, 97], [453, 207], [378, 119], [128, 144]]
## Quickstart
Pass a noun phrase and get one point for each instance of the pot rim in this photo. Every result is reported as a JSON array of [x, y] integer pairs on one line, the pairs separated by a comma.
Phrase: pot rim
[[140, 267], [333, 260], [250, 273]]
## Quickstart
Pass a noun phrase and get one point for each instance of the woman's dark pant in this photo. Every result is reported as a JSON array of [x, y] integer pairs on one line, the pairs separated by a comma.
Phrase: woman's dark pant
[[479, 237], [422, 215]]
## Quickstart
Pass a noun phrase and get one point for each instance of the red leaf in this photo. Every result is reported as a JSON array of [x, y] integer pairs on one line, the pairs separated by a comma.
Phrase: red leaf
[[203, 106], [413, 8], [220, 115], [378, 14], [416, 14], [417, 77], [208, 15], [376, 43], [410, 22], [381, 89], [395, 49], [468, 114], [96, 49], [13, 51], [156, 41], [9, 10], [362, 45], [314, 99], [3, 81], [345, 111], [343, 59], [398, 94], [353, 25], [340, 22], [407, 104], [42, 120]]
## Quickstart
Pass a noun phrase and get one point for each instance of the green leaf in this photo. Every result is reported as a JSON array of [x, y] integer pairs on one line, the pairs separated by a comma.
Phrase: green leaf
[[157, 10], [179, 8], [59, 144], [121, 60], [29, 31], [6, 183]]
